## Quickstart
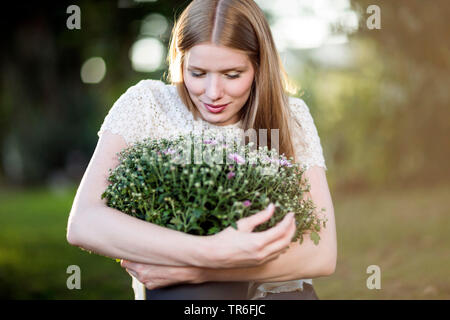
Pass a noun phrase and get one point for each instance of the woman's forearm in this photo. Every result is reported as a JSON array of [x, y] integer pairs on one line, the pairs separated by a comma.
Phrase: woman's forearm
[[303, 261], [111, 233]]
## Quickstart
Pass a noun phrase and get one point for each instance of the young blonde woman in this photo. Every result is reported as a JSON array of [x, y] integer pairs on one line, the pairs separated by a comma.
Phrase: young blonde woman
[[225, 74]]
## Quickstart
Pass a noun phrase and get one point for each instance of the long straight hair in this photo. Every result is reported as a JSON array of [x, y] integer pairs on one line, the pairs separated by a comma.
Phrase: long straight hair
[[238, 25]]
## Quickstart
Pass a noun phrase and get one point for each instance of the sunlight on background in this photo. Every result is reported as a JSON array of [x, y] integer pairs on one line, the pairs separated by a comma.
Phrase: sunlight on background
[[147, 54], [304, 24], [93, 70], [154, 25], [312, 31]]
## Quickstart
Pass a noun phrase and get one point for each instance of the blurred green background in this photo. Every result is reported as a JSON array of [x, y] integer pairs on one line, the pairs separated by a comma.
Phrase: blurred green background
[[379, 98]]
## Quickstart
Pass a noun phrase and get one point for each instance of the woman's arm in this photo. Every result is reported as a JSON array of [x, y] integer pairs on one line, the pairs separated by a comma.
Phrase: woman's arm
[[299, 261], [96, 227]]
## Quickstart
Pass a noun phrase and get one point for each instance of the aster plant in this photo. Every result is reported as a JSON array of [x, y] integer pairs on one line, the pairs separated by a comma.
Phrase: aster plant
[[202, 185]]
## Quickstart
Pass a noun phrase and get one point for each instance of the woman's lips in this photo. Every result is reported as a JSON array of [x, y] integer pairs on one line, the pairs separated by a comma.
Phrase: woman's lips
[[215, 109]]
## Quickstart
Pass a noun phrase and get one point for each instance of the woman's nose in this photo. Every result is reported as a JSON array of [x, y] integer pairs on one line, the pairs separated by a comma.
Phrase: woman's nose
[[213, 87]]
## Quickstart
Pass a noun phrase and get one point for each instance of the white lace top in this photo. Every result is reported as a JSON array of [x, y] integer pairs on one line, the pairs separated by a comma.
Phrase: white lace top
[[154, 109]]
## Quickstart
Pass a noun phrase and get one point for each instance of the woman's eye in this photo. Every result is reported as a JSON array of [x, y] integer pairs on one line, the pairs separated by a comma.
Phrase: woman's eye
[[229, 76], [233, 76], [194, 74]]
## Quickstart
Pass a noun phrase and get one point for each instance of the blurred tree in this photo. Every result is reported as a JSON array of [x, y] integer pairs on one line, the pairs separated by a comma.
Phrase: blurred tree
[[384, 118], [414, 47], [48, 117]]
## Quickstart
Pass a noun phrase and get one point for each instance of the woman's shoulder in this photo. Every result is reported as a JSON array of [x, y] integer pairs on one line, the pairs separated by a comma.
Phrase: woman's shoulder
[[137, 111], [297, 104], [153, 84], [300, 111], [305, 134], [156, 93], [147, 87], [148, 96]]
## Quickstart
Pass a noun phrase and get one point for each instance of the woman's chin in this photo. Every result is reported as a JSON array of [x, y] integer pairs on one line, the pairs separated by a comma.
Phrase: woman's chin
[[216, 119]]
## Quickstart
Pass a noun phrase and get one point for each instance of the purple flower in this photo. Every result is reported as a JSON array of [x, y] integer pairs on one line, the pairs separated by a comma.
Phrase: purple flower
[[169, 151], [210, 141], [230, 175], [285, 163], [236, 157], [247, 203], [266, 159]]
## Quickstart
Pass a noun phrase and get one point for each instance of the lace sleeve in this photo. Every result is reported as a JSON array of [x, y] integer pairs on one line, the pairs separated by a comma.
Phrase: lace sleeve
[[128, 116], [305, 138]]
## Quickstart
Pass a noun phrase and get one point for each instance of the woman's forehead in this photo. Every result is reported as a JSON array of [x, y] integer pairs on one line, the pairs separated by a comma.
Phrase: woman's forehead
[[214, 57]]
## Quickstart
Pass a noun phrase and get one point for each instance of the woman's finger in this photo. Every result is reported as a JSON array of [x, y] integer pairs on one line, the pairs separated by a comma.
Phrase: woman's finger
[[128, 264], [280, 246], [278, 231], [149, 285], [249, 223]]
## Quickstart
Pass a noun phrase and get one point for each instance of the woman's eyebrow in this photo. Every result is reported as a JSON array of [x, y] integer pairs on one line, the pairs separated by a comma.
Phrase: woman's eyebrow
[[224, 70]]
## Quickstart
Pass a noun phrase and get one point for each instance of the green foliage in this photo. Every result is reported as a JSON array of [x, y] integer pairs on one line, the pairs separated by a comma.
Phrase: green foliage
[[158, 181]]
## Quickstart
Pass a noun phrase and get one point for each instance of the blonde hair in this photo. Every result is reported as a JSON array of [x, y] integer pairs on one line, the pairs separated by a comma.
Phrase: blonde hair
[[238, 25]]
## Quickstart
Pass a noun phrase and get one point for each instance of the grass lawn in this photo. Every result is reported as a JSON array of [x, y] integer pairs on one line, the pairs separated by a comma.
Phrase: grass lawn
[[34, 253], [404, 233]]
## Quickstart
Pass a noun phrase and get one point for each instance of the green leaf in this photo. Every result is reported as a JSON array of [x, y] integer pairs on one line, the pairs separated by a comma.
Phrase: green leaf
[[213, 230], [176, 221], [197, 213], [315, 237]]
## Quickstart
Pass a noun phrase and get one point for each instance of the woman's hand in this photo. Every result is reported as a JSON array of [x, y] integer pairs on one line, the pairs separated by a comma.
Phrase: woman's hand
[[242, 248], [230, 248], [157, 276]]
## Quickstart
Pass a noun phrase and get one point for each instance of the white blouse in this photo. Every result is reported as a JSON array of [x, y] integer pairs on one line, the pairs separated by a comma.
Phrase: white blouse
[[153, 109]]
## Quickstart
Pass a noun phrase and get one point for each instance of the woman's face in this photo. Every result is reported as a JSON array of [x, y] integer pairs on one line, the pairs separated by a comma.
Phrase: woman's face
[[216, 76]]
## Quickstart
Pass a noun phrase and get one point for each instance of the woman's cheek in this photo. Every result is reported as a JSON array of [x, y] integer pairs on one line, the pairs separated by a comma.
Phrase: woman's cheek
[[194, 85], [241, 88]]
